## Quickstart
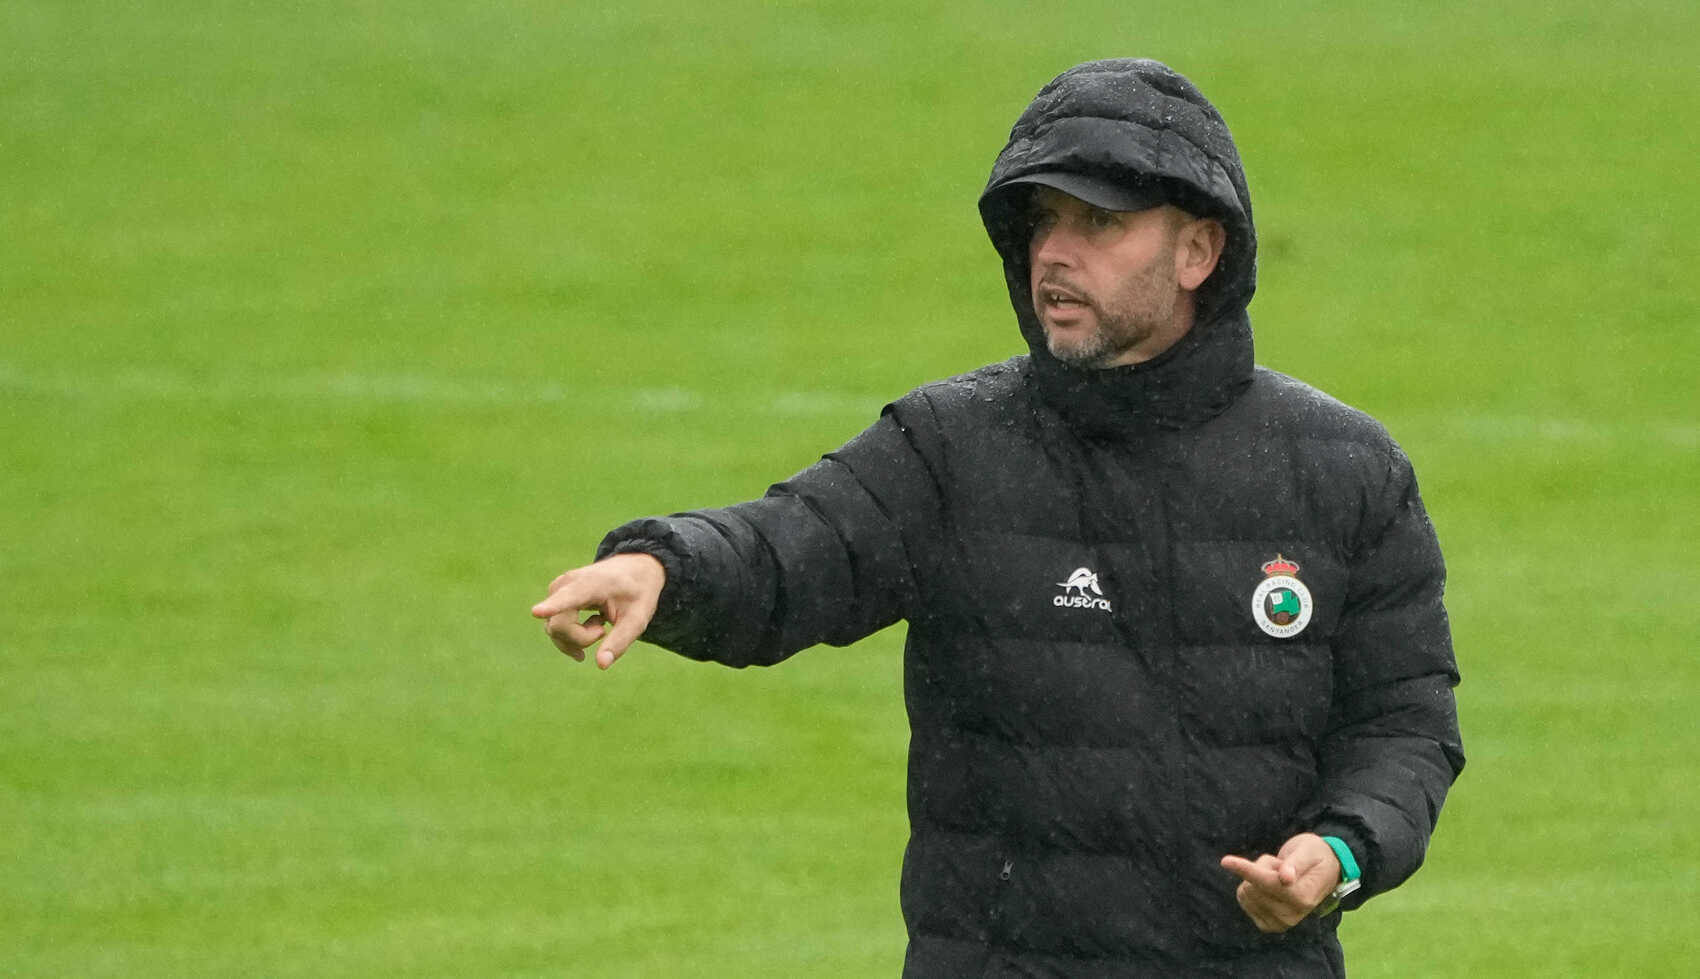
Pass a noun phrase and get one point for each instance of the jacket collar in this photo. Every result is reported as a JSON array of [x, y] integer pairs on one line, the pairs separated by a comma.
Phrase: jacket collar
[[1187, 386]]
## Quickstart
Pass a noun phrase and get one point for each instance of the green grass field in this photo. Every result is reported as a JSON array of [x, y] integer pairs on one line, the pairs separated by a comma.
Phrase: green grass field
[[330, 332]]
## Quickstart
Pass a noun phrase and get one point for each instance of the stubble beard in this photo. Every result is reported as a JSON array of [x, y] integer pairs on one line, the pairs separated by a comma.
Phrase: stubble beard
[[1141, 308]]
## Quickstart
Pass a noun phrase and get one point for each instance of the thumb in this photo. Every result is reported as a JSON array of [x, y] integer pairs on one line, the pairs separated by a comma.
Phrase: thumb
[[625, 632]]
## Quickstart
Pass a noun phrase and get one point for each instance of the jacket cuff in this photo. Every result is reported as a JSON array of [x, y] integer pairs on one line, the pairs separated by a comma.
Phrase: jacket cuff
[[686, 620]]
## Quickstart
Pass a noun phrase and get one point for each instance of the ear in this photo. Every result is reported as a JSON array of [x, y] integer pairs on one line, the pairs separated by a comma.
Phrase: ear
[[1198, 247]]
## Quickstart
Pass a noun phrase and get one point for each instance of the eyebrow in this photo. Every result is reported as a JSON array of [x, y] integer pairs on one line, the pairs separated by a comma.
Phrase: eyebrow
[[1037, 205]]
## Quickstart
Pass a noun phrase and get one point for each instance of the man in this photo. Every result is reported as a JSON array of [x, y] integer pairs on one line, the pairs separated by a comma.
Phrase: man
[[1178, 674]]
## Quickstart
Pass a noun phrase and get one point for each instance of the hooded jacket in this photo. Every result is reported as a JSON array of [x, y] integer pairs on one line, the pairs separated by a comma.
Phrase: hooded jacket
[[1104, 697]]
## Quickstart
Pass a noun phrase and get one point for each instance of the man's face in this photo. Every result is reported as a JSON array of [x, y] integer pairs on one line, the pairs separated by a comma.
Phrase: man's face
[[1104, 282]]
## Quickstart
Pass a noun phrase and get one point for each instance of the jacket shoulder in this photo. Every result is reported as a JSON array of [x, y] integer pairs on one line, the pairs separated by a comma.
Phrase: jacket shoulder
[[989, 386], [1301, 411]]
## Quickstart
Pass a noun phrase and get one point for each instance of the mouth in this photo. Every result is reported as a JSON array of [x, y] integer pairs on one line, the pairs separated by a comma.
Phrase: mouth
[[1056, 300]]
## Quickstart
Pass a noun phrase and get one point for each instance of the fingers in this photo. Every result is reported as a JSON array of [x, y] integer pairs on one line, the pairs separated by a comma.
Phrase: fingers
[[563, 597], [571, 636], [1266, 911], [595, 585], [568, 598], [571, 649], [1266, 892], [581, 634], [1266, 872]]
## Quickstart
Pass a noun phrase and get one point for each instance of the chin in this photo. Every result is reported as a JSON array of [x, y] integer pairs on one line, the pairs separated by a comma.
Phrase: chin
[[1085, 355]]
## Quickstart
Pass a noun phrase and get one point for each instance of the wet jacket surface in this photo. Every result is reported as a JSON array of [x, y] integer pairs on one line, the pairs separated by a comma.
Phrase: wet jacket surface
[[1096, 715]]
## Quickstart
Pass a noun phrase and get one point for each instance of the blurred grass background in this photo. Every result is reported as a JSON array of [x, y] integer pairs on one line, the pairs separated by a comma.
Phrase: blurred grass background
[[330, 332]]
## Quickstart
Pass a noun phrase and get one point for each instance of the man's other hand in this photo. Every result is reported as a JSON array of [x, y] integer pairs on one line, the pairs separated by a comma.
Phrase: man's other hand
[[1277, 892], [621, 592]]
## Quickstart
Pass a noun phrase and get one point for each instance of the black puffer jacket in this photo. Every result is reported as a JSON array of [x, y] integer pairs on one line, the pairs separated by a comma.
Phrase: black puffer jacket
[[1097, 716]]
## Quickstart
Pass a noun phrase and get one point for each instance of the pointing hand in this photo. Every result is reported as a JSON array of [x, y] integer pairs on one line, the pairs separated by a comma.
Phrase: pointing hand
[[621, 591]]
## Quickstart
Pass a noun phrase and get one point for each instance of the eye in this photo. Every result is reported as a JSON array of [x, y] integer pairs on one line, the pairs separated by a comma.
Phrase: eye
[[1100, 219], [1040, 220]]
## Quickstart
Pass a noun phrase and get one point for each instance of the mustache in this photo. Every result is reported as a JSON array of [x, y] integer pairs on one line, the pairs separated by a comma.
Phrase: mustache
[[1062, 286]]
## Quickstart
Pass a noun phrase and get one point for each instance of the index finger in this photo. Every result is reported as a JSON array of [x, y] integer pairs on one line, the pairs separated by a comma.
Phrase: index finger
[[1258, 874], [566, 598]]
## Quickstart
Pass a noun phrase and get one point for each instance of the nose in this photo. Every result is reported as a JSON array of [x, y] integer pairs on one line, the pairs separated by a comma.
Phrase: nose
[[1053, 246]]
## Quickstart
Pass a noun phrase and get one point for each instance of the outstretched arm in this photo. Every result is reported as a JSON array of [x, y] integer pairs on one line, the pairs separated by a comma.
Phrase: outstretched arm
[[826, 556]]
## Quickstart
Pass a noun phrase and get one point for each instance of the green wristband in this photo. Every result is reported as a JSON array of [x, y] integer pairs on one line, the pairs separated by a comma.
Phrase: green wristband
[[1348, 866]]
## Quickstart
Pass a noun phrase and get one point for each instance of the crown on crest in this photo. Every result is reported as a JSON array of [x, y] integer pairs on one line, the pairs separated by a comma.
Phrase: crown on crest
[[1280, 566]]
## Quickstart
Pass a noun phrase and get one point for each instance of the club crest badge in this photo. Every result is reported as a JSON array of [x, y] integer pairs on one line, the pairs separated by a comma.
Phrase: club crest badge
[[1281, 605]]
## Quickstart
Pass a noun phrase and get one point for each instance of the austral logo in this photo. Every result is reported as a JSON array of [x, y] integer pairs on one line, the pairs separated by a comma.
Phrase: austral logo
[[1075, 591], [1281, 605]]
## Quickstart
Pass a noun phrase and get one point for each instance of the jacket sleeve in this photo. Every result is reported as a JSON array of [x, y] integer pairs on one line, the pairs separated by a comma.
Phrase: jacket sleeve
[[1392, 747], [826, 556]]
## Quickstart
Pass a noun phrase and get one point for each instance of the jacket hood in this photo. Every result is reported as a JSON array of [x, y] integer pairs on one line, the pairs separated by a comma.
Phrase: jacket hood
[[1137, 123]]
